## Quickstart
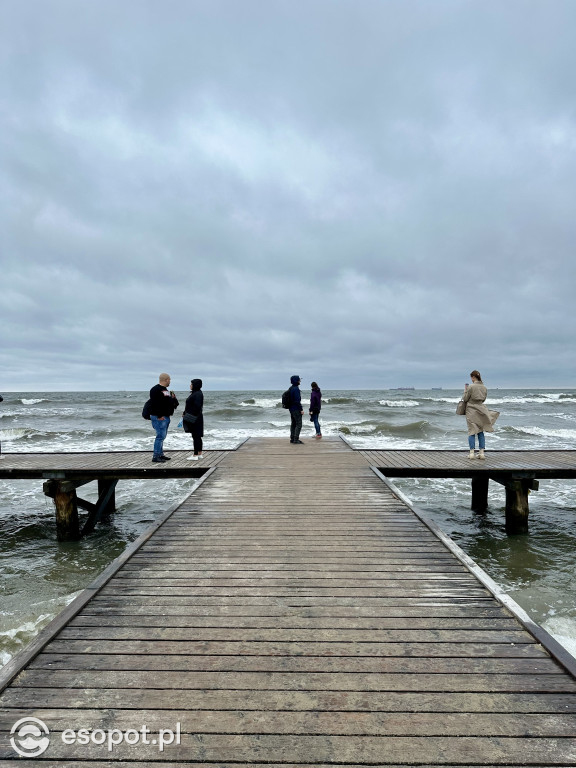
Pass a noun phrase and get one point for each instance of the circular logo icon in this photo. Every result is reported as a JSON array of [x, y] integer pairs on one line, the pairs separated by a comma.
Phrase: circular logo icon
[[30, 737]]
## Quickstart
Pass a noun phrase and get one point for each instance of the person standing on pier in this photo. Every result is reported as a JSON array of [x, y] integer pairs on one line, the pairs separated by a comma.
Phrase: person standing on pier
[[163, 403], [315, 406], [295, 410], [478, 418], [193, 407]]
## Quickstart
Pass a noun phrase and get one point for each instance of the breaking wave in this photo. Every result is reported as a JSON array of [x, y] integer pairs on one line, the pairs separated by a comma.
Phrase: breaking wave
[[415, 429], [400, 403], [564, 434], [261, 402]]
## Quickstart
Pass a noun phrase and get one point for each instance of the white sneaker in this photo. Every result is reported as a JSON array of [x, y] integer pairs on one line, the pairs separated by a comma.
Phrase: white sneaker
[[192, 458]]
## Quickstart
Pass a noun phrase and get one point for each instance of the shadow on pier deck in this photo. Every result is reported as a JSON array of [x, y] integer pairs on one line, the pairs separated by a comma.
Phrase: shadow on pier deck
[[294, 611]]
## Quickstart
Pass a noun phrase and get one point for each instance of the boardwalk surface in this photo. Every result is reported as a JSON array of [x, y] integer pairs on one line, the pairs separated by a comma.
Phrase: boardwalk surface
[[294, 612], [415, 463], [100, 464]]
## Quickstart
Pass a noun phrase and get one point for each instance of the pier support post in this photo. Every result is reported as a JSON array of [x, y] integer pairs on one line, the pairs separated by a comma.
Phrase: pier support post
[[480, 493], [517, 507], [107, 492], [64, 494]]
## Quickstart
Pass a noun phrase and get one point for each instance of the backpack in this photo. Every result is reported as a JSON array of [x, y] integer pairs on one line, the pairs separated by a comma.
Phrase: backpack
[[146, 409], [286, 399]]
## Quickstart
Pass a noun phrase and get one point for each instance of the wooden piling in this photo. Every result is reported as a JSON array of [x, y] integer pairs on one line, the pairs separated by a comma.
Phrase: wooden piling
[[480, 493], [63, 492], [517, 507], [107, 490]]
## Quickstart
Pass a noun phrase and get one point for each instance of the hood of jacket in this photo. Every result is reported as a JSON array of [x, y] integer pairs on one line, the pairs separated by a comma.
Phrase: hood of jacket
[[196, 385], [295, 380]]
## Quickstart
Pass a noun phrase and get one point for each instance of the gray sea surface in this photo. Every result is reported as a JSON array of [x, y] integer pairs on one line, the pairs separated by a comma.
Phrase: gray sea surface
[[39, 576]]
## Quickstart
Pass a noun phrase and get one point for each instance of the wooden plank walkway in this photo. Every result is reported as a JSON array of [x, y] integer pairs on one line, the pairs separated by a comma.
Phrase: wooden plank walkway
[[444, 463], [104, 464], [294, 611]]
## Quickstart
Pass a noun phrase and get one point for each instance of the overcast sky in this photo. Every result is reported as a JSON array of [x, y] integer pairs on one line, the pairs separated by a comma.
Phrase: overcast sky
[[369, 193]]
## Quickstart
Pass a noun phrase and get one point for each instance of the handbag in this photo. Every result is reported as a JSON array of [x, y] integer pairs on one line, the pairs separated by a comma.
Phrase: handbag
[[189, 418], [461, 408]]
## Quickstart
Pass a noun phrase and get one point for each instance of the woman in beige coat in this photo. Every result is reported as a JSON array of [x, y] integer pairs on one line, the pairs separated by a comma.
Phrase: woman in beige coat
[[478, 418]]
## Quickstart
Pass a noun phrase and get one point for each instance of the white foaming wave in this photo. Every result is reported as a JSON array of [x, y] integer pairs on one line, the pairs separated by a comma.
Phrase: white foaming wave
[[563, 416], [262, 402], [32, 400], [562, 629], [399, 403], [21, 635], [569, 434], [9, 435], [544, 399]]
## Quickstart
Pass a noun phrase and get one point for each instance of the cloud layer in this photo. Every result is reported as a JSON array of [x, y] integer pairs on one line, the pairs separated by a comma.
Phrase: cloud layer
[[370, 194]]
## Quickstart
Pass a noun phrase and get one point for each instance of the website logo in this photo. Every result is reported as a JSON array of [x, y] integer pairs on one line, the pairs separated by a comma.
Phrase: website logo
[[30, 737]]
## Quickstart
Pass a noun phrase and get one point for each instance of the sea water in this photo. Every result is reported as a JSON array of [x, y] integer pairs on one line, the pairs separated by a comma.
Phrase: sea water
[[39, 576]]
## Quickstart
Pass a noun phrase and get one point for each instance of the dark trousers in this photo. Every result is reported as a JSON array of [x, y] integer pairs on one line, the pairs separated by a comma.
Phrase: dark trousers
[[295, 425], [197, 444]]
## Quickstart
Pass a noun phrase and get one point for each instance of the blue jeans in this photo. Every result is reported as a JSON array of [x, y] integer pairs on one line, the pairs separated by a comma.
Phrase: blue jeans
[[161, 427], [316, 423], [481, 441]]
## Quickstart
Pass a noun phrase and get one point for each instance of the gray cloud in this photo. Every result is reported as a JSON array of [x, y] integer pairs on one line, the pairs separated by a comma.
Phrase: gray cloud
[[369, 193]]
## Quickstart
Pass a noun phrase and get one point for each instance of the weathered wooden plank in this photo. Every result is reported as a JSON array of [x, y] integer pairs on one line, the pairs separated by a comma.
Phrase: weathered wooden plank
[[280, 681], [396, 660], [312, 636], [102, 607], [301, 723], [119, 619], [290, 700], [472, 649], [444, 750]]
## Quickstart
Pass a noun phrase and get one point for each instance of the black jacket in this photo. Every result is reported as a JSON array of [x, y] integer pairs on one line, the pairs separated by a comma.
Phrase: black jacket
[[162, 404], [194, 405]]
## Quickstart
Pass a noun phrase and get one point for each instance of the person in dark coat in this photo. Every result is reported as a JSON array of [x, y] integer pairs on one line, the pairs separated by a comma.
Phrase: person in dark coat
[[295, 410], [163, 403], [194, 406], [315, 406]]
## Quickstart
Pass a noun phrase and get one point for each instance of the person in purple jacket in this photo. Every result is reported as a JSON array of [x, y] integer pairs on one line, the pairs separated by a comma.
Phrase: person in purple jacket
[[315, 406]]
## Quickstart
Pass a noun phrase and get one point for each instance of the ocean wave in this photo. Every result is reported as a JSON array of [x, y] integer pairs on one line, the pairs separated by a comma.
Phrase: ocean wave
[[564, 434], [261, 402], [339, 400], [540, 399], [399, 403], [13, 640], [33, 400], [563, 628], [416, 429], [9, 435]]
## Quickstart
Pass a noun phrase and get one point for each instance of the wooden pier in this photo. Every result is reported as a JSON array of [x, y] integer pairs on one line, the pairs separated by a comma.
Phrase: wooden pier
[[294, 611], [518, 471]]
